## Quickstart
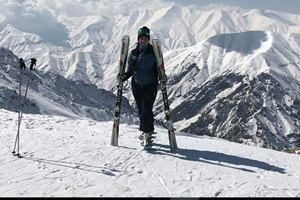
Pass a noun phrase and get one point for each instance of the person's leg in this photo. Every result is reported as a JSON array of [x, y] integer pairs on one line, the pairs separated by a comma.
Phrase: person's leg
[[147, 118], [138, 96]]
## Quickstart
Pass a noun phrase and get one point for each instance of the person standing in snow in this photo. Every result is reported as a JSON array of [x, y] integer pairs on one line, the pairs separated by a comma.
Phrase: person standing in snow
[[142, 67]]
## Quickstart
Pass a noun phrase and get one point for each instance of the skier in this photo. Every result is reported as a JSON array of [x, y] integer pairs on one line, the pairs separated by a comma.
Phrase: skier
[[142, 67]]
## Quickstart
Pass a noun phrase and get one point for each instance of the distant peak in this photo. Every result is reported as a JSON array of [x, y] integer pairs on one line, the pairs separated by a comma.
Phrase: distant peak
[[11, 28]]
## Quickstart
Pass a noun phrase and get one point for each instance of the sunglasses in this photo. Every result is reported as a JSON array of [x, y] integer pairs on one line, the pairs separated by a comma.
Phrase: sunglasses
[[144, 32]]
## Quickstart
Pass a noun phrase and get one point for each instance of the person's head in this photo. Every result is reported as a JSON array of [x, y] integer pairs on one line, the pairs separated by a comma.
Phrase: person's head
[[144, 36]]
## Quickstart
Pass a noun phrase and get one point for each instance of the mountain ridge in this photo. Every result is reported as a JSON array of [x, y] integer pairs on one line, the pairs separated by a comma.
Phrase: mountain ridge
[[245, 55]]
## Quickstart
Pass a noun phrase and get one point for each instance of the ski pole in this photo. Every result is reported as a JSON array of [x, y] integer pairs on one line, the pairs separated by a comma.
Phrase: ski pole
[[22, 66], [21, 107]]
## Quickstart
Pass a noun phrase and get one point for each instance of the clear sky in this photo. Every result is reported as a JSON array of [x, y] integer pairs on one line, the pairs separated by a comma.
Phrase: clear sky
[[290, 6]]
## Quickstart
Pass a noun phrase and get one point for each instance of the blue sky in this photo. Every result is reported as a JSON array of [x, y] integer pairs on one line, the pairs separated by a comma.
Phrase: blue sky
[[290, 6]]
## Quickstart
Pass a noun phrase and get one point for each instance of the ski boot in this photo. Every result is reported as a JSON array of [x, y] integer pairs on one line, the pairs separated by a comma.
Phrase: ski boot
[[147, 139]]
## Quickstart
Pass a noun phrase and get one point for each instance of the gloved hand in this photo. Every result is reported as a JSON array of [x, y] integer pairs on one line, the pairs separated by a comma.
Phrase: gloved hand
[[121, 78], [164, 79]]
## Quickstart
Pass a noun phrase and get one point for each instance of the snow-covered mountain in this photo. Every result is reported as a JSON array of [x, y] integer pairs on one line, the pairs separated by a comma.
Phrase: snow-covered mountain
[[242, 87], [233, 73], [92, 51]]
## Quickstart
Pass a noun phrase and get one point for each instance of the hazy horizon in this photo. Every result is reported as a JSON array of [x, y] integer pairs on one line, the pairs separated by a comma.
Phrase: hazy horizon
[[289, 6]]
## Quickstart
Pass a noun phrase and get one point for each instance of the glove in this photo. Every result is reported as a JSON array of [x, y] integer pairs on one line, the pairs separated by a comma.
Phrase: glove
[[164, 79], [121, 78]]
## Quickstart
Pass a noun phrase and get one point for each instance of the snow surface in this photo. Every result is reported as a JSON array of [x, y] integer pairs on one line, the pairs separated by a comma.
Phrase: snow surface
[[65, 157]]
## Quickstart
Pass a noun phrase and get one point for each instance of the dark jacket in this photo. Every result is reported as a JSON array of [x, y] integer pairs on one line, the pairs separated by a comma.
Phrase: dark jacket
[[142, 66]]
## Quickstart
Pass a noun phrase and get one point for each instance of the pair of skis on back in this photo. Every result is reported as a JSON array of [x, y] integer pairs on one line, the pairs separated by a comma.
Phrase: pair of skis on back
[[161, 71]]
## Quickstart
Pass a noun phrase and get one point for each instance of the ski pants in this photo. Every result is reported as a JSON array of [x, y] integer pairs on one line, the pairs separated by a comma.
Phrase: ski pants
[[145, 97]]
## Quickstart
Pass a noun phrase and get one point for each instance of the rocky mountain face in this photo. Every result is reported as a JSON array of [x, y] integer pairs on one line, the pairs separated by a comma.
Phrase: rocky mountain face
[[257, 112], [250, 96], [52, 94]]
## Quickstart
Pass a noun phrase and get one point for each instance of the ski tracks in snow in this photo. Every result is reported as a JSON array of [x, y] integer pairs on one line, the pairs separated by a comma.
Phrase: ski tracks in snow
[[161, 180]]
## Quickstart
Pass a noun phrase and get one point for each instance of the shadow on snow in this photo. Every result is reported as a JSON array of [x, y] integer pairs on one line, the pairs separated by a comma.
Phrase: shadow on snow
[[73, 165], [217, 158]]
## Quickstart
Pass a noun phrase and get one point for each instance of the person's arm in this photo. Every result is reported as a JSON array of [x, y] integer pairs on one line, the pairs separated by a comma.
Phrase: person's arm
[[128, 72]]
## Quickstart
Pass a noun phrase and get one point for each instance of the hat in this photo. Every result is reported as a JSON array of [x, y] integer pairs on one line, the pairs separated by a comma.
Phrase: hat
[[145, 31]]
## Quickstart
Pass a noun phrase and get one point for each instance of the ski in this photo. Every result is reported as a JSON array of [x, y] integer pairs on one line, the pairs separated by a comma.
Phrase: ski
[[161, 71], [123, 60]]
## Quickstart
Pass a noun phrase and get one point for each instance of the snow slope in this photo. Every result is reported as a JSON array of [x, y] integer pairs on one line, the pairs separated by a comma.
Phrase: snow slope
[[65, 157]]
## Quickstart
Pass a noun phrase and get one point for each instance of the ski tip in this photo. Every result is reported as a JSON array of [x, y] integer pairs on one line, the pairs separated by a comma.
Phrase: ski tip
[[174, 150]]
